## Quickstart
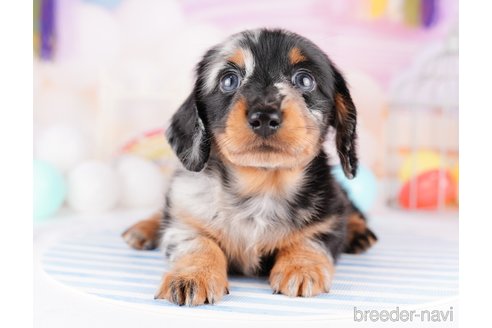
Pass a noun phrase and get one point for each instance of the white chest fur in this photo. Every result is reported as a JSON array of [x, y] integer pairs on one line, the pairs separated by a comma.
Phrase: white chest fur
[[243, 227]]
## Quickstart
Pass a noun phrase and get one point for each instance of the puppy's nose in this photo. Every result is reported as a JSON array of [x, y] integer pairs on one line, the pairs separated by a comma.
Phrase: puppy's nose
[[264, 123]]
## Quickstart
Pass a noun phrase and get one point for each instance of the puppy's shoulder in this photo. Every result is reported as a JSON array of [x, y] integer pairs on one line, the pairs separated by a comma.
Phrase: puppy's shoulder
[[195, 192]]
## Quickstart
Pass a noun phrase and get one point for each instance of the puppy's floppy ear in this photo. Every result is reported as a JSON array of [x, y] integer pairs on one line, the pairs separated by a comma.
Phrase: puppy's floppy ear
[[188, 136], [344, 121]]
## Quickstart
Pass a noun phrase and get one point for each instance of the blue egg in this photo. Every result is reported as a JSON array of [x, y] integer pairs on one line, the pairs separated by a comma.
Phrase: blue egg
[[49, 190], [362, 190]]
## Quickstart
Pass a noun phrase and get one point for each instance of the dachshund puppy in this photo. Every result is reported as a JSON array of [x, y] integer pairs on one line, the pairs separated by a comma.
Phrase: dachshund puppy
[[256, 195]]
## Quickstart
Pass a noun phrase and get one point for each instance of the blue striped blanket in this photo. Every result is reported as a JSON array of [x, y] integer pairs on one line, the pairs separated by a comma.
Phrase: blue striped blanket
[[411, 265]]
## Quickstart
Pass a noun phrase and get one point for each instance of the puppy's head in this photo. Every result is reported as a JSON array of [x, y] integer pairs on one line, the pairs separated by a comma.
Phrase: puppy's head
[[265, 98]]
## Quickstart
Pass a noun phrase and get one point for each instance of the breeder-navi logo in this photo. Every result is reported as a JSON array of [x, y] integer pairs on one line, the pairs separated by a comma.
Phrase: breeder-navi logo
[[403, 315]]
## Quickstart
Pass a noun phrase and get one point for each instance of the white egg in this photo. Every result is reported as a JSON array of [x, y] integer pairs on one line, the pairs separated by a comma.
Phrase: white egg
[[93, 186], [64, 146], [142, 183]]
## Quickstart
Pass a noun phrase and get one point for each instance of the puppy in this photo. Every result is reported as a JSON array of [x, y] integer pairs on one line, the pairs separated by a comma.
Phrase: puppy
[[256, 195]]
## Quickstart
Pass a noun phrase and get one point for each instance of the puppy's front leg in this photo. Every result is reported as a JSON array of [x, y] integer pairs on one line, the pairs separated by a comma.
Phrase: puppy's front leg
[[199, 276], [302, 269]]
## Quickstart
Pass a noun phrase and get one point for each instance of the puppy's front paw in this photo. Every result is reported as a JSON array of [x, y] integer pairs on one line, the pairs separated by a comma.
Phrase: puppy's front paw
[[144, 234], [300, 279], [359, 236], [361, 241], [192, 288]]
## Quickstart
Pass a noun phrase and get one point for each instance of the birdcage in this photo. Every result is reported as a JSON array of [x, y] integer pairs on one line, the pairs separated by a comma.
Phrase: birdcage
[[422, 131]]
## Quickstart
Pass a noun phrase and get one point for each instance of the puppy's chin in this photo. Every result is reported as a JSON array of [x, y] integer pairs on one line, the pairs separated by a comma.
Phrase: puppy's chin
[[266, 159]]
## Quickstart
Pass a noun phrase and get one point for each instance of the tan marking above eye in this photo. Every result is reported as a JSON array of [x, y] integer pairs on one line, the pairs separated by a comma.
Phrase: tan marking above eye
[[237, 58], [295, 56]]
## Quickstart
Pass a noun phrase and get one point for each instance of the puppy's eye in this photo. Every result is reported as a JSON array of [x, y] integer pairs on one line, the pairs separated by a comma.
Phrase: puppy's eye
[[304, 81], [230, 82]]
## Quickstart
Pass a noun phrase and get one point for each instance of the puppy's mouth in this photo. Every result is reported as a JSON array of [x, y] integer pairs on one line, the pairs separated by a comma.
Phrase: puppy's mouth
[[263, 147], [265, 154]]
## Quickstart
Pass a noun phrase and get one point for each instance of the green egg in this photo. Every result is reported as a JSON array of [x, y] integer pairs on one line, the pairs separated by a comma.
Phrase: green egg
[[49, 190]]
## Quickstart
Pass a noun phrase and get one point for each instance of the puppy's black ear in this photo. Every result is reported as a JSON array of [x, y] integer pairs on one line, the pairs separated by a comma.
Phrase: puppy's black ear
[[188, 136], [344, 121]]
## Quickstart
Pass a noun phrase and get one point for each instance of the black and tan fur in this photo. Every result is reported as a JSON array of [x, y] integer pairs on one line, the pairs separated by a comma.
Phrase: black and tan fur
[[256, 195]]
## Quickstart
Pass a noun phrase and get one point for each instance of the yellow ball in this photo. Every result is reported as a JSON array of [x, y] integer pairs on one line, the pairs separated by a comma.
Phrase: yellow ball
[[419, 162], [455, 173]]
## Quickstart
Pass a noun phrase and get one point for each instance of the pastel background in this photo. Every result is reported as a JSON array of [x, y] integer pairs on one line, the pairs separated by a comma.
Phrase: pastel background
[[109, 74]]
